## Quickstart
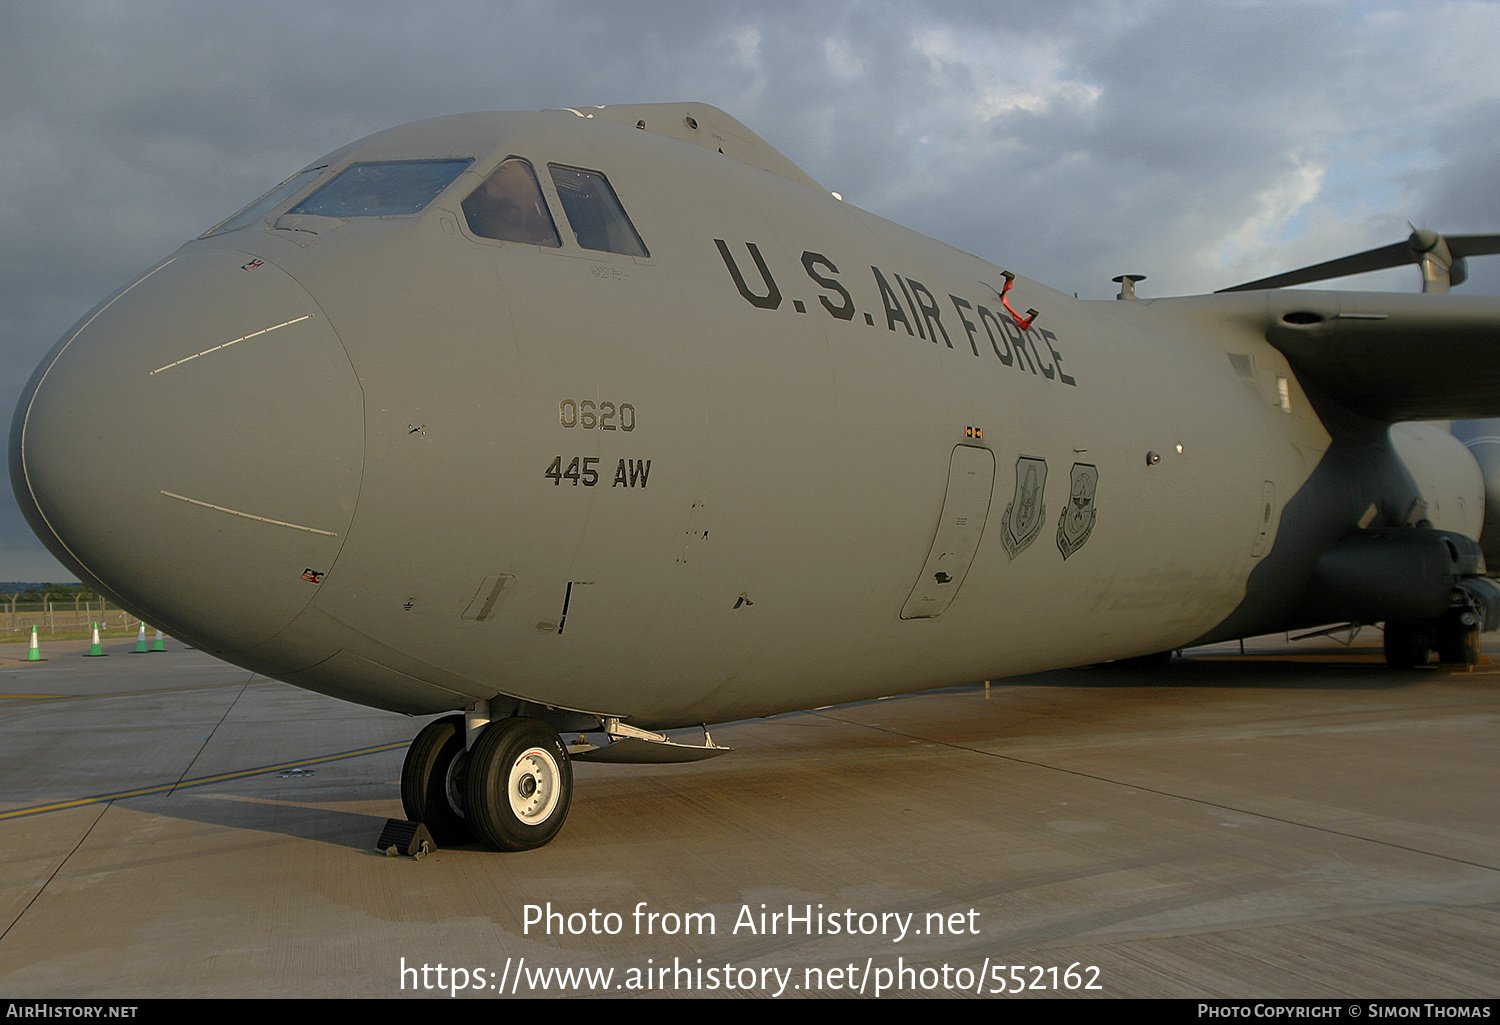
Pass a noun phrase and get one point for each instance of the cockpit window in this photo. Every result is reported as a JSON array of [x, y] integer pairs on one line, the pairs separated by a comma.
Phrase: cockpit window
[[508, 205], [598, 219], [265, 204], [382, 188]]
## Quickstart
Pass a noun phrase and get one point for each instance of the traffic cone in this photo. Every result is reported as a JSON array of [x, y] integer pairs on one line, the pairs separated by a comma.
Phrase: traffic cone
[[140, 640], [35, 654], [95, 649], [159, 645]]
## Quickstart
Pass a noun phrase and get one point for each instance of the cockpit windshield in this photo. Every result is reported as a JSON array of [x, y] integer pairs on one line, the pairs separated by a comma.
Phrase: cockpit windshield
[[382, 188], [265, 204]]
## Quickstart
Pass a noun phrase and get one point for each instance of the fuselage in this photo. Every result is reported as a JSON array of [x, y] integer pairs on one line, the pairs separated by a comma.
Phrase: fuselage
[[391, 459]]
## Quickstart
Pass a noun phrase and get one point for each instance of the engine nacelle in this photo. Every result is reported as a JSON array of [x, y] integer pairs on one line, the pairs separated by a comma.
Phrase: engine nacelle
[[1482, 438]]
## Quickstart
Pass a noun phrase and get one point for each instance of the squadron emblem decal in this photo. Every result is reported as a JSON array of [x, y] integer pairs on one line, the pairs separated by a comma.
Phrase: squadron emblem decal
[[1025, 514], [1077, 519]]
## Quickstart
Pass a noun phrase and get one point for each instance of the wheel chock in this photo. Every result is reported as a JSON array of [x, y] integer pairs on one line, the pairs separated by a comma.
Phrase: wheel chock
[[404, 836]]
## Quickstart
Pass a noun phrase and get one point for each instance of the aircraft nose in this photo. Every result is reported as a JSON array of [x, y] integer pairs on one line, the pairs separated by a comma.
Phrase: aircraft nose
[[195, 447]]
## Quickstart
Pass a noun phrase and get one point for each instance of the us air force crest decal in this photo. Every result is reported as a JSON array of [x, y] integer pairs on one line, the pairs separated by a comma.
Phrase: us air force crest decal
[[1077, 519], [1025, 514]]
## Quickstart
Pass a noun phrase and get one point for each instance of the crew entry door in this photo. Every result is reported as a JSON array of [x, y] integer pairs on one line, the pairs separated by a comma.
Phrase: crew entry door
[[971, 481]]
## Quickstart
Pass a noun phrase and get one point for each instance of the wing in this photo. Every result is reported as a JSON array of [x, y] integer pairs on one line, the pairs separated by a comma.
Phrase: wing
[[1390, 356]]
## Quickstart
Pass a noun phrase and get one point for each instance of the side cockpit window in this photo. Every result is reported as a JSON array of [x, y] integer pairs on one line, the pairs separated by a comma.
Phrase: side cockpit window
[[509, 206], [595, 213], [382, 188]]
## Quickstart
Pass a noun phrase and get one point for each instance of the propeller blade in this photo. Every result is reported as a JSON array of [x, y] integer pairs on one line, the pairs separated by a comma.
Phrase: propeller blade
[[1420, 241], [1473, 245], [1394, 255]]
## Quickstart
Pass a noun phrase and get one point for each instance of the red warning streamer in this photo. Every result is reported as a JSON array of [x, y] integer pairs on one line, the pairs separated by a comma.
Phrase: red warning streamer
[[1021, 322]]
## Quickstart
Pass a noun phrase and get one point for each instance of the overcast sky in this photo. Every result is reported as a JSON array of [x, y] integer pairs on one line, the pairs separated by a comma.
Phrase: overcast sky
[[1200, 142]]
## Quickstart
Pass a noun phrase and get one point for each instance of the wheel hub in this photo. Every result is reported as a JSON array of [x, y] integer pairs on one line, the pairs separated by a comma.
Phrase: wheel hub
[[453, 782], [534, 785]]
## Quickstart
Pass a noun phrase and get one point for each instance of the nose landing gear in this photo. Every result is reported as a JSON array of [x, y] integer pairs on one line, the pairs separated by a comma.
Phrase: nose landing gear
[[432, 780], [519, 785], [511, 790]]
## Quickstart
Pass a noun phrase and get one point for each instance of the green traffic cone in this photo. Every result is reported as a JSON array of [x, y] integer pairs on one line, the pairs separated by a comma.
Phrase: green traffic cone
[[95, 649], [35, 654], [140, 640], [160, 644]]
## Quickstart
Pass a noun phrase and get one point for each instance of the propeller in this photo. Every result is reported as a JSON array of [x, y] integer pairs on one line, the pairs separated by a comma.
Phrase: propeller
[[1441, 258]]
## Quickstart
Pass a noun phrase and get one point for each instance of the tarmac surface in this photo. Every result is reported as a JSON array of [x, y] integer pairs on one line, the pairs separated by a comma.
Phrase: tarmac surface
[[1301, 822]]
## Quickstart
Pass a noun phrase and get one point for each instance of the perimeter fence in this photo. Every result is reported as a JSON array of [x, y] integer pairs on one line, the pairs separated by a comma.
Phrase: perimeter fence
[[59, 616]]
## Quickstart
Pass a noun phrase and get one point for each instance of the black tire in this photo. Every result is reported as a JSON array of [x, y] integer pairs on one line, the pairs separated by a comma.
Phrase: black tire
[[1404, 649], [1460, 644], [520, 784], [432, 781]]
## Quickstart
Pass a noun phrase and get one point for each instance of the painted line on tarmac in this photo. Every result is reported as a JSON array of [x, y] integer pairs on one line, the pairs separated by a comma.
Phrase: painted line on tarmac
[[127, 693], [164, 788]]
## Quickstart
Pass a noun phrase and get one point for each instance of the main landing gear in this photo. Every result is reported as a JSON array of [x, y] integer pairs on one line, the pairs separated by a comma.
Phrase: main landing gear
[[511, 789], [1455, 638]]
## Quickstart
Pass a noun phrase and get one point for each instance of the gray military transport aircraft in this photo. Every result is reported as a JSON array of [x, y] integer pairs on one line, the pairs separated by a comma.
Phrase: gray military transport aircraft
[[611, 421]]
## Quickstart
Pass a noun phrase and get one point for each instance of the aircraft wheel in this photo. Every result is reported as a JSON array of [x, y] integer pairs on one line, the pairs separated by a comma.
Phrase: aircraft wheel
[[520, 784], [1404, 648], [432, 781], [1459, 644]]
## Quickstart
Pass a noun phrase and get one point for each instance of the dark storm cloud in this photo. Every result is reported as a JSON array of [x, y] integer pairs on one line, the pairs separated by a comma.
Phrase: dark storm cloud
[[1198, 142]]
